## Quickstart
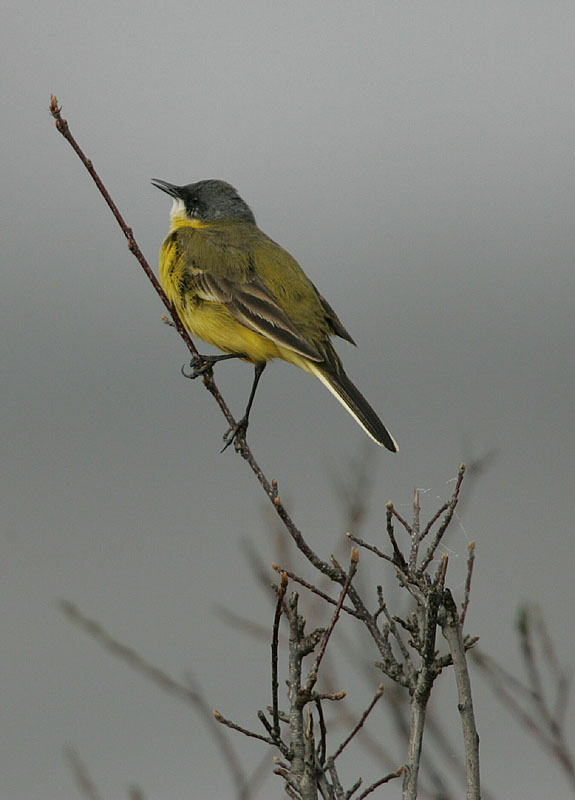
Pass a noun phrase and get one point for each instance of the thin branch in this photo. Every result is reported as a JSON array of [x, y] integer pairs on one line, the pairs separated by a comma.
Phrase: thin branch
[[322, 731], [161, 679], [127, 654], [81, 775], [297, 579], [391, 508], [235, 727], [238, 623], [470, 563], [532, 710], [354, 560], [430, 553], [353, 789], [359, 723], [563, 681], [451, 628], [416, 533], [281, 590], [391, 776], [525, 629], [393, 630], [262, 718], [371, 547], [63, 128], [389, 514], [433, 520]]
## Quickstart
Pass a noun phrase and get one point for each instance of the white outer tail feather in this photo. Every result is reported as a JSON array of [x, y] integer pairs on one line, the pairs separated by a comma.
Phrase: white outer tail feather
[[311, 367]]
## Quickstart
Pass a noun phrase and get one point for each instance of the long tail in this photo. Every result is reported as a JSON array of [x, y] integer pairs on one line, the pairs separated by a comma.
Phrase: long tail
[[354, 402]]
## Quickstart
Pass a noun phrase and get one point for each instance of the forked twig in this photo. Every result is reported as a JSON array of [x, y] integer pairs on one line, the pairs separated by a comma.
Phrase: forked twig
[[354, 560]]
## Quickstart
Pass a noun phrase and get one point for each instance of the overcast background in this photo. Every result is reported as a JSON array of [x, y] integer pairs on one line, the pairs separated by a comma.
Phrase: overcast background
[[418, 159]]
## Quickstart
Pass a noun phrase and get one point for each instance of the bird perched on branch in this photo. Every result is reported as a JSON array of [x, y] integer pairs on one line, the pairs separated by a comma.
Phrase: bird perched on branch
[[238, 290]]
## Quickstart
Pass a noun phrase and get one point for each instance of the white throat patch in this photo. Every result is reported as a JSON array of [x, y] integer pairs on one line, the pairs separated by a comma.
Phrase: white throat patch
[[178, 208]]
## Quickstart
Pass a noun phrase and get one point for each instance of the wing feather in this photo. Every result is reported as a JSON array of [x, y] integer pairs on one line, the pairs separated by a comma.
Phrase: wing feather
[[225, 268], [253, 306]]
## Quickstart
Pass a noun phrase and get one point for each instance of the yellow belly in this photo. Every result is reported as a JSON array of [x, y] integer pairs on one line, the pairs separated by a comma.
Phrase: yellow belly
[[213, 323]]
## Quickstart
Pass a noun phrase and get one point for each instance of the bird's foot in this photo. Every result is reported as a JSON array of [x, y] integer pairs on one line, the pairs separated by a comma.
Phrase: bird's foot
[[200, 365], [237, 436]]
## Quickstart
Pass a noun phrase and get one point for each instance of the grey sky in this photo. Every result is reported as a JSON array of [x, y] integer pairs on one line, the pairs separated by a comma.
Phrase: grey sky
[[418, 160]]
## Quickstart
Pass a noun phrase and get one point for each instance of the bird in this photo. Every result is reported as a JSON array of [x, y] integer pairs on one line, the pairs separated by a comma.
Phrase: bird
[[238, 290]]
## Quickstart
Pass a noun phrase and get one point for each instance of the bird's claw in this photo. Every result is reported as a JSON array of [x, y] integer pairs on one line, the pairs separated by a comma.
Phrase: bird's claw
[[236, 435], [198, 367]]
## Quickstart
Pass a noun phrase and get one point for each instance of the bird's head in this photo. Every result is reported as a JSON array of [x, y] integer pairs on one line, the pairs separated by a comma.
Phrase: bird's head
[[206, 202]]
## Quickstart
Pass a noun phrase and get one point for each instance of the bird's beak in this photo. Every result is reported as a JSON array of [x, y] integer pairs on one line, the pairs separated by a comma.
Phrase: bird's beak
[[168, 188]]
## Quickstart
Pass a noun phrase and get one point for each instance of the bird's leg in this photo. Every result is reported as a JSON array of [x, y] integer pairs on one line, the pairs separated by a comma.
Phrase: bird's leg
[[202, 364], [242, 426]]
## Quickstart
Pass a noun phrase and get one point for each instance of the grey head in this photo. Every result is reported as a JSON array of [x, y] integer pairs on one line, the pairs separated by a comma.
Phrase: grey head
[[209, 201]]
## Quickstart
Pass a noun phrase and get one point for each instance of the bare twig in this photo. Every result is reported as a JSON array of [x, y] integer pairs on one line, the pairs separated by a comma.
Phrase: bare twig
[[390, 512], [63, 127], [430, 553], [281, 590], [297, 579], [527, 702], [325, 639], [470, 563], [165, 682], [246, 732], [81, 775], [434, 519], [415, 532], [394, 513], [371, 547], [391, 776], [322, 730], [127, 654], [359, 723], [394, 630], [451, 627]]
